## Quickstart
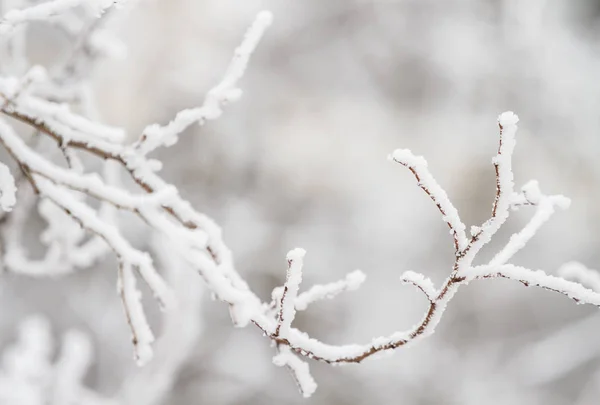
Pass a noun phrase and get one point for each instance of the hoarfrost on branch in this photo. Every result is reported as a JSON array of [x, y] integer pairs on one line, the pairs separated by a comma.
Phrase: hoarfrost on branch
[[44, 102]]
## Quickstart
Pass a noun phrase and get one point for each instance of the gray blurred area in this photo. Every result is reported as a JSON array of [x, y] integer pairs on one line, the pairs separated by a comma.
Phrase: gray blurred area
[[301, 160]]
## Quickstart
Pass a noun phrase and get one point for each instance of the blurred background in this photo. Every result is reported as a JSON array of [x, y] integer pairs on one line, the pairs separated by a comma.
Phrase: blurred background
[[301, 161]]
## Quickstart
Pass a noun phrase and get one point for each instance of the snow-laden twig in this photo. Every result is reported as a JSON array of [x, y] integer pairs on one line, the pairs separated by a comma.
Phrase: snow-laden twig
[[318, 292], [180, 331], [298, 368], [15, 88], [64, 252], [131, 297], [57, 118], [128, 258], [580, 273], [223, 93], [418, 166], [287, 303], [122, 248], [545, 207], [507, 122], [351, 282], [538, 278], [421, 282]]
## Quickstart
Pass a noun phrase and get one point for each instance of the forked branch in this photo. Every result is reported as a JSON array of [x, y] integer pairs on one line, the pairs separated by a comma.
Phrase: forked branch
[[197, 240]]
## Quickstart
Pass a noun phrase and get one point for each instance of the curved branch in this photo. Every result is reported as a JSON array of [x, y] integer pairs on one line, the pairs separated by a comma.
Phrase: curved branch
[[537, 278], [421, 282], [418, 166]]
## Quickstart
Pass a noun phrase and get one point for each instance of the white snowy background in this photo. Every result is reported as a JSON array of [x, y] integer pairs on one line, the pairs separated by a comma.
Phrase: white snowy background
[[300, 160]]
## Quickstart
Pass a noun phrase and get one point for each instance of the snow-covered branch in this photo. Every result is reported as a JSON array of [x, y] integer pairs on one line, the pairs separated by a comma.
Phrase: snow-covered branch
[[181, 329], [545, 207], [66, 191], [418, 166], [537, 278], [421, 282], [287, 303], [319, 292], [507, 122], [298, 368], [223, 93]]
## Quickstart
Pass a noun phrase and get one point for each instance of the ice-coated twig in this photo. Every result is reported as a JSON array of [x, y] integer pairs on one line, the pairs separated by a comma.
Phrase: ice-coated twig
[[418, 166], [287, 303], [580, 273], [225, 92], [298, 368]]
